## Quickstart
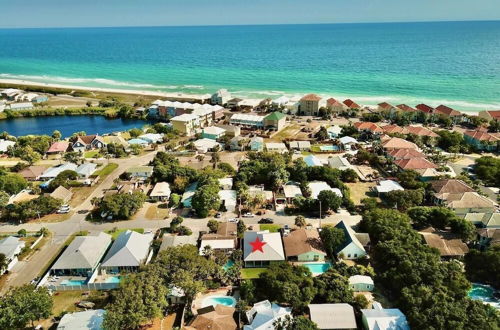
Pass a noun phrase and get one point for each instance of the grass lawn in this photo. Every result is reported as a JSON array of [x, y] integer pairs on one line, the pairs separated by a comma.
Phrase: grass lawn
[[107, 170], [287, 132], [115, 233], [251, 273], [157, 211], [360, 190], [54, 217], [271, 227], [91, 154]]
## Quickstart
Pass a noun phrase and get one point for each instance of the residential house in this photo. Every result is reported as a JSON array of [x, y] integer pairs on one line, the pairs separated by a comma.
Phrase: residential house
[[231, 131], [91, 319], [448, 186], [161, 192], [221, 97], [350, 104], [87, 142], [448, 244], [398, 143], [226, 183], [58, 147], [5, 144], [228, 199], [415, 164], [339, 162], [335, 106], [386, 186], [333, 316], [129, 251], [205, 145], [368, 127], [234, 103], [82, 256], [33, 172], [291, 191], [361, 283], [10, 93], [482, 140], [300, 145], [397, 154], [489, 115], [170, 240], [304, 245], [348, 142], [276, 147], [310, 104], [218, 317], [62, 194], [275, 121], [22, 196], [54, 171], [186, 123], [137, 141], [352, 247], [117, 140], [225, 239], [152, 137], [256, 143], [483, 220], [20, 106], [213, 132], [443, 110], [318, 186], [379, 318], [140, 172], [312, 160], [421, 131], [10, 247], [407, 109], [247, 121], [84, 171], [188, 194], [238, 143], [488, 237], [386, 107], [265, 314], [334, 131], [425, 108], [260, 248]]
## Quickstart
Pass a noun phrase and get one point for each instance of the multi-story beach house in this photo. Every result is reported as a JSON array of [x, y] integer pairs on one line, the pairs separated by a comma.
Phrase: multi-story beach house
[[489, 115], [482, 140], [310, 104], [221, 97], [186, 123], [334, 105], [87, 142]]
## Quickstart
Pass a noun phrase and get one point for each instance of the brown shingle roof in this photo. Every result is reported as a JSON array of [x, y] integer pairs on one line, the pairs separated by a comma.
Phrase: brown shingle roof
[[333, 102], [302, 241], [398, 143], [421, 131], [406, 108], [311, 97], [391, 129], [495, 114], [32, 172], [351, 104], [425, 108], [483, 136], [467, 200], [447, 244], [414, 164], [450, 186], [86, 139], [227, 229], [443, 109], [368, 126], [216, 318], [385, 105], [405, 153]]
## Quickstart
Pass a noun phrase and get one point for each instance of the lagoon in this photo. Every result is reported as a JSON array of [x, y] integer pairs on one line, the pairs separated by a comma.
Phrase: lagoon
[[67, 125]]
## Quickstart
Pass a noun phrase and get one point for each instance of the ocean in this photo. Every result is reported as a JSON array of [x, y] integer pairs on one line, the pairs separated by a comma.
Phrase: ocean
[[454, 63]]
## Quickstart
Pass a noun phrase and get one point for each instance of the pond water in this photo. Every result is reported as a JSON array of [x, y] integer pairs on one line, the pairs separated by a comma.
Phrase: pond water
[[68, 125]]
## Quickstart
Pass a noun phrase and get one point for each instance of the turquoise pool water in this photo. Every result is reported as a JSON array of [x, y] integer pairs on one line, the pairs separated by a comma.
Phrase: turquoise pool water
[[228, 264], [113, 279], [329, 148], [73, 282], [484, 293], [219, 300], [319, 268]]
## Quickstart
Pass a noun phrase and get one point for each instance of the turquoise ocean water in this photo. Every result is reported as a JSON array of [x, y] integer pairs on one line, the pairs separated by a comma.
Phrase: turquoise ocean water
[[455, 63]]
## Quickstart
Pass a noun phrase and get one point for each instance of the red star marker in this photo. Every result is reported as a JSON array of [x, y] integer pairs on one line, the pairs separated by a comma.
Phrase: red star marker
[[257, 245]]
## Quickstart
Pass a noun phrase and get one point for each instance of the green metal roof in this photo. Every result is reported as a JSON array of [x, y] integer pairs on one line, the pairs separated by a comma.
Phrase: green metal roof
[[275, 116]]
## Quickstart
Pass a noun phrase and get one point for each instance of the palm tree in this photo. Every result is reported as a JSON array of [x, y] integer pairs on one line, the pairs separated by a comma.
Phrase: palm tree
[[215, 158]]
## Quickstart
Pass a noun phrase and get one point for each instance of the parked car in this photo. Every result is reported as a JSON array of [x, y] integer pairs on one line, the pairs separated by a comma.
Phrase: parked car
[[63, 209], [233, 220], [218, 215], [266, 220], [248, 215]]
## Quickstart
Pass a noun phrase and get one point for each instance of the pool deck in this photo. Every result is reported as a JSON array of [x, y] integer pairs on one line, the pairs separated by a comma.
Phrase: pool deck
[[57, 280], [198, 301]]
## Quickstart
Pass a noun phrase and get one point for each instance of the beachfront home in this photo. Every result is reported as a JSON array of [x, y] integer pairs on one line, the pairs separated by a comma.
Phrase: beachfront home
[[425, 108], [186, 123], [221, 97], [228, 199], [205, 145], [361, 283], [54, 171], [5, 144], [304, 245], [379, 318], [161, 192], [10, 247], [129, 251], [351, 248], [84, 171], [10, 93], [264, 315], [218, 317], [333, 316], [410, 112], [261, 248], [310, 104], [140, 172], [350, 104], [335, 106], [489, 115], [58, 147], [482, 140], [91, 319], [279, 147], [275, 121], [33, 172], [443, 110], [213, 132], [256, 143], [247, 121], [318, 186], [386, 107], [82, 256]]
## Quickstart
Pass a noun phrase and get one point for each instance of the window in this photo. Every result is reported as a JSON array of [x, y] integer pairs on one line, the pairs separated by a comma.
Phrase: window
[[355, 255], [349, 255]]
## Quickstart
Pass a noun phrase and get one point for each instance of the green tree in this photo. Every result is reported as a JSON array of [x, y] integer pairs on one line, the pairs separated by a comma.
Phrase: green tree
[[213, 225], [487, 169], [3, 262], [175, 200], [122, 206], [300, 221], [56, 135], [332, 239], [23, 305], [140, 298], [72, 157], [12, 183], [4, 198], [329, 200], [135, 132], [404, 199], [333, 288], [322, 134], [205, 199], [295, 323], [29, 155], [484, 267], [176, 222], [410, 179]]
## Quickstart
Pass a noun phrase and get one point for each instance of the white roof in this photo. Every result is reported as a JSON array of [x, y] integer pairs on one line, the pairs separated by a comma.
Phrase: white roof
[[385, 319], [318, 186], [4, 144], [312, 160], [333, 316], [360, 279], [86, 169], [214, 130], [282, 100], [154, 137], [170, 240], [263, 314], [185, 117], [55, 170], [276, 145], [9, 246], [226, 182], [160, 189], [291, 191], [228, 196], [87, 320], [300, 144], [22, 105], [247, 118], [129, 249], [217, 244], [335, 129], [272, 250], [386, 186], [347, 140], [84, 252], [205, 143]]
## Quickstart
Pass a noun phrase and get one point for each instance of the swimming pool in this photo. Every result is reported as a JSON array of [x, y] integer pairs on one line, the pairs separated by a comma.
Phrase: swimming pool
[[329, 148], [113, 279], [318, 268], [73, 282], [218, 300], [484, 293], [228, 264]]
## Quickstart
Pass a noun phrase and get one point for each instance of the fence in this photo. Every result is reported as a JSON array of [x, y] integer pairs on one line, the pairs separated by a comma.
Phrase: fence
[[84, 287]]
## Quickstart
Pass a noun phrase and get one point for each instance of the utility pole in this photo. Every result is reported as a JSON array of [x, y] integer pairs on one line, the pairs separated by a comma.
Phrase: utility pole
[[319, 214]]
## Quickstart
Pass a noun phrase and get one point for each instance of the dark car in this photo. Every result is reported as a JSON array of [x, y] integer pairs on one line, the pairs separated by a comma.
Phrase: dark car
[[266, 220]]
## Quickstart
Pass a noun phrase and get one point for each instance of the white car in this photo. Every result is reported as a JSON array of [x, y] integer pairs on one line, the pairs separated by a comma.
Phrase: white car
[[63, 209], [248, 215], [233, 220]]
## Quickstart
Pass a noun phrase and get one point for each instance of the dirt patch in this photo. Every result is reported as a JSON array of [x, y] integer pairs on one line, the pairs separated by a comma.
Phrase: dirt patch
[[360, 190]]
